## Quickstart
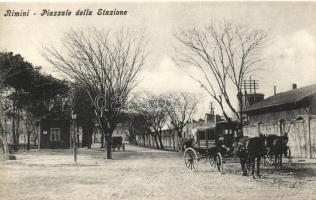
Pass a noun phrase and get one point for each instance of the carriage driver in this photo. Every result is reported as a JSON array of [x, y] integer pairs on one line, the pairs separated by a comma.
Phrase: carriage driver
[[221, 142], [194, 134]]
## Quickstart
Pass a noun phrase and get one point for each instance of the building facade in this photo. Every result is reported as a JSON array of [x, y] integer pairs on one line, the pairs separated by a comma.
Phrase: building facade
[[54, 133], [292, 112]]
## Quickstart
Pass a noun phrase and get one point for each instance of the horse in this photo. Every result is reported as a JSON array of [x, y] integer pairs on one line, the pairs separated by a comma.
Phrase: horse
[[277, 146], [116, 142], [269, 153], [250, 151]]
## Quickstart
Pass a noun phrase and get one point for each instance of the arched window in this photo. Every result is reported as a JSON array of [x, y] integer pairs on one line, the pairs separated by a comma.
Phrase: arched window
[[282, 126], [260, 128]]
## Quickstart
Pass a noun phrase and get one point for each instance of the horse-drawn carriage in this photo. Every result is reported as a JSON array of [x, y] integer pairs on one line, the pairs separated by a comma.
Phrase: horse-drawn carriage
[[223, 139], [117, 143], [213, 143], [252, 150]]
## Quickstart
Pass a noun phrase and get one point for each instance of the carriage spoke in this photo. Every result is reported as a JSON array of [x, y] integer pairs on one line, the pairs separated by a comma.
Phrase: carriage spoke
[[190, 159]]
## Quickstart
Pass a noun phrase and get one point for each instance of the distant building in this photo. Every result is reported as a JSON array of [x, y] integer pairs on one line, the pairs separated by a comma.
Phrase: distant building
[[120, 130], [284, 106], [291, 112], [54, 132], [210, 118], [252, 98]]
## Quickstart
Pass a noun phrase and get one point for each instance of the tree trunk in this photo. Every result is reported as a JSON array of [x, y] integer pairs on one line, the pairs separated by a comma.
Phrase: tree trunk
[[134, 139], [149, 141], [109, 146], [87, 134], [4, 141], [3, 136], [89, 138], [28, 144], [102, 140], [107, 132], [28, 135], [89, 142], [84, 136], [144, 139], [156, 141], [13, 134], [35, 138], [224, 113], [17, 133], [35, 132], [179, 134], [174, 145], [160, 141]]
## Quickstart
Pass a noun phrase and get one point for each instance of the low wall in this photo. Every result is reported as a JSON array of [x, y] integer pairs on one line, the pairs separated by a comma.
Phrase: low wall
[[302, 135], [169, 141]]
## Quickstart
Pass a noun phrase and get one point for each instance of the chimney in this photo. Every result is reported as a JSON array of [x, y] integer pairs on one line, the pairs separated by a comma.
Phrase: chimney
[[294, 86], [274, 90]]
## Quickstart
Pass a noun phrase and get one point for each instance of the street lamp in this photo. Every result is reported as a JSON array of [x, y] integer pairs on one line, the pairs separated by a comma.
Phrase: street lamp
[[74, 117]]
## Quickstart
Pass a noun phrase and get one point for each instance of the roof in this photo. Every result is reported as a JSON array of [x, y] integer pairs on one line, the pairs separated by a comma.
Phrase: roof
[[291, 96], [205, 127]]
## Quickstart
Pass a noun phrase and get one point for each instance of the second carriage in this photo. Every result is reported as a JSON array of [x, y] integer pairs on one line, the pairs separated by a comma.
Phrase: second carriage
[[212, 142]]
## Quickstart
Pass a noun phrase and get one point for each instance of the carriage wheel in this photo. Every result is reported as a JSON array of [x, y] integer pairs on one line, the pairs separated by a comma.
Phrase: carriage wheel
[[191, 159], [219, 162]]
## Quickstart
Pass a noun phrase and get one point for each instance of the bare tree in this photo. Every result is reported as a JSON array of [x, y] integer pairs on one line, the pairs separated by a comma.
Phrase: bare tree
[[180, 108], [105, 64], [153, 108], [224, 54]]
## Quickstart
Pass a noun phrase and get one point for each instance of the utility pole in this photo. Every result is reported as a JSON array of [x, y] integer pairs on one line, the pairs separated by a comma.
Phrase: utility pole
[[211, 108], [248, 85]]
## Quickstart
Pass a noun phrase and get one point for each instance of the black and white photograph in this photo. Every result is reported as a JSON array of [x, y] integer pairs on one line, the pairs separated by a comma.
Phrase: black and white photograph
[[157, 100]]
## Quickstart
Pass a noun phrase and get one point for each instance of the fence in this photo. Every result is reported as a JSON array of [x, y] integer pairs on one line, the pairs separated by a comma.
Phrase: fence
[[301, 133], [169, 140]]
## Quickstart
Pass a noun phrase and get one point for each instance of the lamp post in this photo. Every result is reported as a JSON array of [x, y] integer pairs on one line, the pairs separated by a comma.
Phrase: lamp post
[[74, 144]]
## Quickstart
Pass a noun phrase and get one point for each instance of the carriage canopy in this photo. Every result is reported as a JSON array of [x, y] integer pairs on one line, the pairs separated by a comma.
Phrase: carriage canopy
[[210, 135]]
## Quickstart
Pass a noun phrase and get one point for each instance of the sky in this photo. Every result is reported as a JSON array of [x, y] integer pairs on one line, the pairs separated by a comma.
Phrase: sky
[[289, 56]]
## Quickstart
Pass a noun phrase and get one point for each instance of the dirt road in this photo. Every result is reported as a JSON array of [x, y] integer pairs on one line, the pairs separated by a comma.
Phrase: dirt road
[[141, 173]]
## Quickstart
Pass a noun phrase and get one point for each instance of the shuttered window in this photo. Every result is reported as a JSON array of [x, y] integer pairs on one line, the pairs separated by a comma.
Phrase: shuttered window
[[54, 134]]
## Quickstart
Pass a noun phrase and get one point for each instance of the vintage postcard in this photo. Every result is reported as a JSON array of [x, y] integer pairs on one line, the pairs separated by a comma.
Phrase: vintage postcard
[[157, 100]]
